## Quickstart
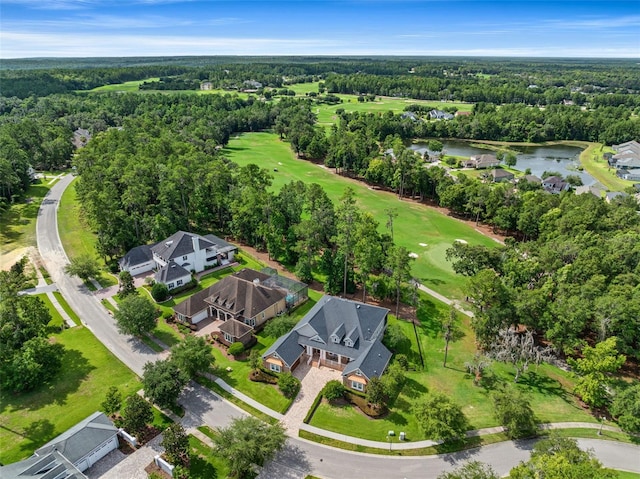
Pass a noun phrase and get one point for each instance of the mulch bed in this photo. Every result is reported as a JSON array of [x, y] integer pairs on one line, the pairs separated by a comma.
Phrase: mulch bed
[[148, 434], [152, 468], [125, 447]]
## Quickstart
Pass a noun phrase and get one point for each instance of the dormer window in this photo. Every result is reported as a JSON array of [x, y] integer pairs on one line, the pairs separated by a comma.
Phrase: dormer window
[[335, 339], [348, 342]]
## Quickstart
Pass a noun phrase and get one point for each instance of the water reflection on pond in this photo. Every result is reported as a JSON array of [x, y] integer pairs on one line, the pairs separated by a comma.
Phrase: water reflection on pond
[[559, 158]]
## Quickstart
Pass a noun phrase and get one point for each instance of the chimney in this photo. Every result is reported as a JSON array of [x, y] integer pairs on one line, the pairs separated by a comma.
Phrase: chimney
[[256, 281]]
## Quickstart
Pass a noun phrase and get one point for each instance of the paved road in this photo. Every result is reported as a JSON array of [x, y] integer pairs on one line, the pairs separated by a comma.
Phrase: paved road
[[300, 457], [131, 352]]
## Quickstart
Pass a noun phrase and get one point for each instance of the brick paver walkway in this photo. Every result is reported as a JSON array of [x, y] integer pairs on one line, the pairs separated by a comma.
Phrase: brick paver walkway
[[313, 380]]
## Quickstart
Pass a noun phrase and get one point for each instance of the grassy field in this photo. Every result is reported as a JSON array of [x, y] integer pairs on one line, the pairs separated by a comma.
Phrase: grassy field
[[56, 319], [126, 86], [547, 387], [27, 421], [76, 235], [205, 464], [18, 223], [415, 223]]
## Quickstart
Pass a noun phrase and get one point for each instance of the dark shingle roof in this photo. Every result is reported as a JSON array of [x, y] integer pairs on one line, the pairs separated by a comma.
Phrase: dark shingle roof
[[81, 439], [171, 272], [371, 362], [137, 255], [235, 328], [239, 296], [194, 303], [177, 245], [287, 348]]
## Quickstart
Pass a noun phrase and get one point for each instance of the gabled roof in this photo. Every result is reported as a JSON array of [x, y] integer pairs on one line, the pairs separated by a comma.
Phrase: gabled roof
[[194, 303], [81, 439], [235, 328], [361, 322], [501, 173], [286, 348], [372, 362], [138, 255], [532, 179], [171, 272], [177, 245], [237, 295]]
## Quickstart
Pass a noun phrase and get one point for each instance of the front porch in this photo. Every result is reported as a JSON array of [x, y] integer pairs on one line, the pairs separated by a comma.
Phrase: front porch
[[319, 357]]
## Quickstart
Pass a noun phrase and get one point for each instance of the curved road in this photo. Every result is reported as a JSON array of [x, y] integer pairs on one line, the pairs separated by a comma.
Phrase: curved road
[[300, 457]]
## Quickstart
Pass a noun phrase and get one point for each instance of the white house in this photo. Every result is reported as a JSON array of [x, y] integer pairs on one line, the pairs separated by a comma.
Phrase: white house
[[175, 258], [72, 452]]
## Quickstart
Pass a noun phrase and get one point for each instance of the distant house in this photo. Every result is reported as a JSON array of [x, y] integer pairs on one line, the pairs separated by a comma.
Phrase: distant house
[[631, 175], [70, 453], [251, 85], [581, 190], [206, 86], [248, 296], [500, 176], [555, 185], [440, 115], [177, 256], [81, 137], [615, 195], [531, 179], [336, 333], [481, 161], [627, 156], [409, 115]]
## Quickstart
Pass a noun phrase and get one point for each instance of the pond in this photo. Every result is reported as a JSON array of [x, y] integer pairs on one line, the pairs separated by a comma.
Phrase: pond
[[560, 158]]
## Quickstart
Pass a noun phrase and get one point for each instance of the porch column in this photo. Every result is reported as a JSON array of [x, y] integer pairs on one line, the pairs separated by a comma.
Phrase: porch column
[[323, 354]]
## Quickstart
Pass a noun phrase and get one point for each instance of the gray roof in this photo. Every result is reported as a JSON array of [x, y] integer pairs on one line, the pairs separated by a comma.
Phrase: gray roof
[[48, 466], [532, 179], [348, 319], [81, 439], [235, 328], [171, 272], [499, 173], [138, 255], [372, 362], [181, 244], [287, 348]]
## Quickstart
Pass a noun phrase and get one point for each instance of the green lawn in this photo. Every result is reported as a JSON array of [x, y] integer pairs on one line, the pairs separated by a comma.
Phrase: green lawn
[[415, 223], [546, 386], [66, 307], [238, 377], [205, 464], [18, 223], [29, 420], [76, 235], [56, 319], [628, 475], [126, 86]]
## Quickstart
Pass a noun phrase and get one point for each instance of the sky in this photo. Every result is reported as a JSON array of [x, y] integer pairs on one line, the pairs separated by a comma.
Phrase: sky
[[119, 28]]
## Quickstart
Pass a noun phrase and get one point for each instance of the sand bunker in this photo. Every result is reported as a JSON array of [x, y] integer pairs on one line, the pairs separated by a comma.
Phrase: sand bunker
[[461, 241], [413, 255], [423, 244]]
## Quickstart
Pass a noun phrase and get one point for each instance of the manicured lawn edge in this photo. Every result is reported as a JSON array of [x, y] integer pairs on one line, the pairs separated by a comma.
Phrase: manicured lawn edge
[[63, 303]]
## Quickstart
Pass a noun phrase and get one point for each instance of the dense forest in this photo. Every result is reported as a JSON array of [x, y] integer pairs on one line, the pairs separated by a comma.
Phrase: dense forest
[[155, 165]]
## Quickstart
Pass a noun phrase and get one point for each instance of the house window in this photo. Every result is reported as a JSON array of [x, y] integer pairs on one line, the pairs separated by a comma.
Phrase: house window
[[275, 367], [357, 386], [358, 373], [228, 337], [170, 286], [184, 258], [179, 282]]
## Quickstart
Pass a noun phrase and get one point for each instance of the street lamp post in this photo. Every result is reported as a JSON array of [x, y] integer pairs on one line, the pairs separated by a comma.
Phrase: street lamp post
[[602, 420]]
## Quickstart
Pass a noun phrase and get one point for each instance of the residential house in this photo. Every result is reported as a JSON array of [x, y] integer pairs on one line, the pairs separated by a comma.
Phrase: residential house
[[206, 86], [337, 333], [177, 256], [69, 454], [409, 115], [581, 190], [251, 86], [627, 155], [501, 176], [612, 196], [233, 331], [440, 115], [243, 296], [532, 179], [631, 175], [481, 161], [555, 185], [81, 137]]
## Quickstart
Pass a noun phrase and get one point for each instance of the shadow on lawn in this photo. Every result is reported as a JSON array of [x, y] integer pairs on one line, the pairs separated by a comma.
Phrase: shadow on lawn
[[37, 433], [543, 384], [75, 368]]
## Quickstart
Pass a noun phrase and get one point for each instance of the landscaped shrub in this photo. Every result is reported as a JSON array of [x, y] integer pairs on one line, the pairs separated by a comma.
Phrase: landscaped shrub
[[333, 390], [289, 385], [236, 349], [312, 409], [402, 360], [159, 292]]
